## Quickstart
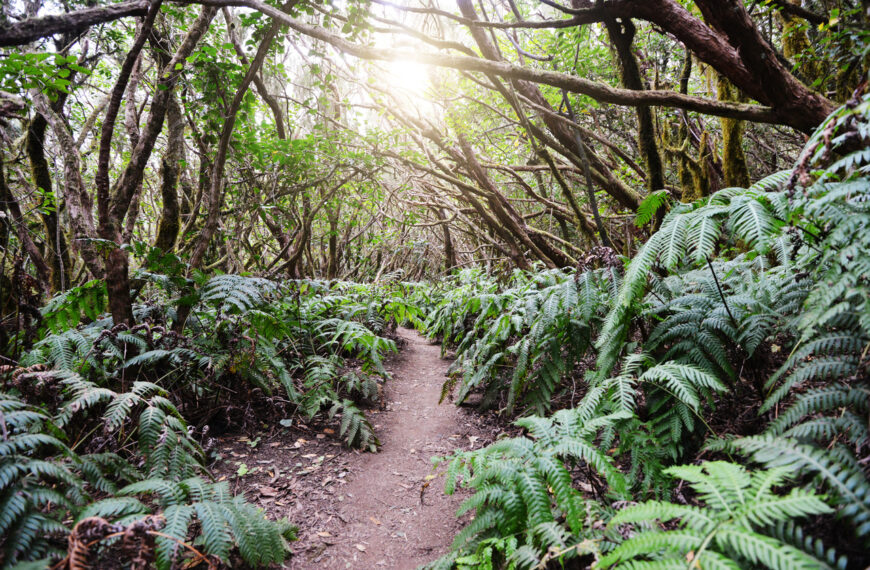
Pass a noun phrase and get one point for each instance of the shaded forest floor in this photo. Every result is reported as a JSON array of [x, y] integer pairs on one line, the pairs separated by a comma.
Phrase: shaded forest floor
[[357, 509]]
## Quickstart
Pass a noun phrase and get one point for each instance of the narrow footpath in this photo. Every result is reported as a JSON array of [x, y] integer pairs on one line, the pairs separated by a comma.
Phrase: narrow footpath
[[381, 523], [363, 510]]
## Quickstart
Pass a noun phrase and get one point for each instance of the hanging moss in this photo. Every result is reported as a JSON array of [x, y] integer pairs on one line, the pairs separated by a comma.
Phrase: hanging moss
[[734, 168], [797, 47], [700, 169], [685, 168], [688, 170], [676, 144]]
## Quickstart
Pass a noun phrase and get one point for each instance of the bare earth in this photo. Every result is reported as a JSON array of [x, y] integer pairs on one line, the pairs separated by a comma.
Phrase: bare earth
[[363, 510]]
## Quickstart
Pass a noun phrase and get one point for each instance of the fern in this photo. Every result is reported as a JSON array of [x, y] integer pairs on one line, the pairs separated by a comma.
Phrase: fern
[[42, 481], [355, 428], [224, 522], [688, 233], [650, 206], [65, 311], [836, 469], [728, 531], [234, 293], [538, 328], [728, 287], [523, 484]]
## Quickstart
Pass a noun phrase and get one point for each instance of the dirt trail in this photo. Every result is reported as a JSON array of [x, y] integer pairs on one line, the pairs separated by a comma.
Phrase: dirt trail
[[362, 510], [380, 523]]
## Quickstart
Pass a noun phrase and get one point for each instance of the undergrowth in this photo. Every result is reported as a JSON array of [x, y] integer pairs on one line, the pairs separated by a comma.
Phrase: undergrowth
[[107, 428], [715, 389]]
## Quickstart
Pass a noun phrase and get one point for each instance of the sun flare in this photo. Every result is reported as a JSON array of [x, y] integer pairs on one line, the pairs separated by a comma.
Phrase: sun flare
[[408, 77]]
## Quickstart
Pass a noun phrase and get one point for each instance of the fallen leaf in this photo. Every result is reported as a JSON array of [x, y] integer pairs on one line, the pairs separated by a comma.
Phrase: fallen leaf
[[328, 431], [374, 520], [268, 491], [323, 533], [360, 547]]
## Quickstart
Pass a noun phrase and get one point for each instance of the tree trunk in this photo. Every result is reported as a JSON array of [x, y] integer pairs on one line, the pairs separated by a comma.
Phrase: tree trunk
[[622, 34], [109, 228], [78, 200], [333, 214], [115, 207], [169, 225], [449, 250], [15, 218], [57, 255], [802, 107]]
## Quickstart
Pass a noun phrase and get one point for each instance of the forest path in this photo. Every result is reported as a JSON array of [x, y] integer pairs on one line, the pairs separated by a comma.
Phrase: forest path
[[378, 520]]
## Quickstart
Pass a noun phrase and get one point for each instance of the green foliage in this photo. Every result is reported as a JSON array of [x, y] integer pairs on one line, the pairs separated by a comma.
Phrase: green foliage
[[355, 428], [524, 486], [44, 484], [26, 472], [520, 343], [729, 530], [455, 304], [750, 299], [232, 294], [65, 311], [689, 237], [122, 386], [823, 384], [226, 521], [163, 436], [308, 339], [47, 72], [651, 204], [835, 468]]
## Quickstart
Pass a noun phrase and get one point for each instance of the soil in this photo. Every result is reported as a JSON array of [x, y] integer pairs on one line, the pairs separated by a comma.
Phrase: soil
[[366, 510]]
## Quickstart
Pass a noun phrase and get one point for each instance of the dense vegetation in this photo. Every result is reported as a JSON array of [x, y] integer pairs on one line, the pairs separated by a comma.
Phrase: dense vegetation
[[641, 227], [739, 331], [285, 351]]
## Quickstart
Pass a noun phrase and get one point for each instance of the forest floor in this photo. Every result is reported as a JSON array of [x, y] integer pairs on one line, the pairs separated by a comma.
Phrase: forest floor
[[366, 510]]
